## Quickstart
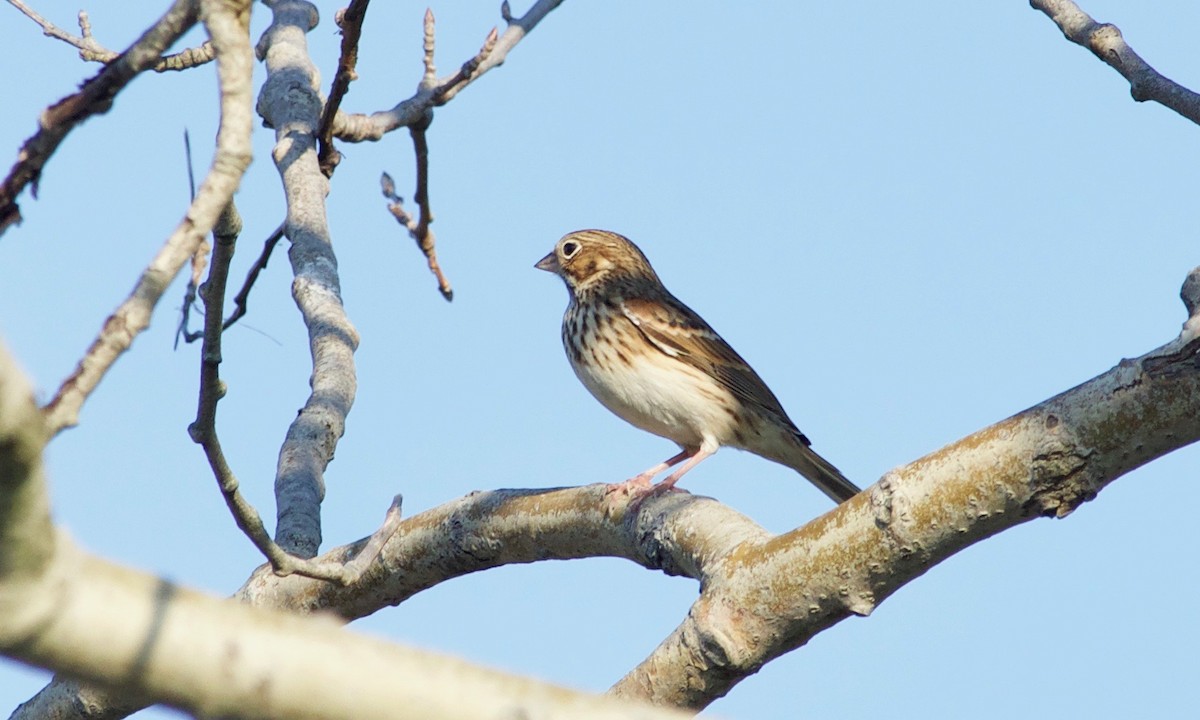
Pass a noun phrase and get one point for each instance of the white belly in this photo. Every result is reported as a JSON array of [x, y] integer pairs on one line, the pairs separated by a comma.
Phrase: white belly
[[660, 395]]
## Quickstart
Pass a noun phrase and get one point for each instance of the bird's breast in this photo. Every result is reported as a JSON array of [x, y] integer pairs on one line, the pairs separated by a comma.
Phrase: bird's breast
[[641, 384]]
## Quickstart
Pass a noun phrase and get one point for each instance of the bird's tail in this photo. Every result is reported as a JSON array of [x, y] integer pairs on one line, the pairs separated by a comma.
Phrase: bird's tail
[[820, 472]]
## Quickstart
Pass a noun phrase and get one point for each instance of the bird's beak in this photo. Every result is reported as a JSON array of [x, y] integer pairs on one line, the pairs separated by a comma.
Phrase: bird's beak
[[548, 263]]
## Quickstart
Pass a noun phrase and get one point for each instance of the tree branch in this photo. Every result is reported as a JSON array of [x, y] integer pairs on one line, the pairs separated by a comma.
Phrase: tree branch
[[63, 609], [290, 103], [1105, 42], [92, 51], [359, 128], [1043, 462], [94, 98], [27, 541], [419, 229], [764, 595], [199, 258], [416, 113], [204, 432], [350, 21], [229, 163]]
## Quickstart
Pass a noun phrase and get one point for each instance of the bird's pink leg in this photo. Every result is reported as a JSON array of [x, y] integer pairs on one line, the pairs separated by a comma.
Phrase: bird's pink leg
[[641, 481], [646, 477], [640, 484], [700, 453]]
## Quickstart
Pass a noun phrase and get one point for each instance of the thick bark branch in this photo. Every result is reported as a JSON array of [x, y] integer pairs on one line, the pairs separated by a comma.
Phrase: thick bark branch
[[765, 595], [130, 631], [678, 533], [26, 533], [127, 630], [290, 103], [769, 598]]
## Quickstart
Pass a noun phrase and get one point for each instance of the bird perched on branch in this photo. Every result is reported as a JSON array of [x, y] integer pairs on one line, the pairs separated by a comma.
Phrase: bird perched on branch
[[655, 363]]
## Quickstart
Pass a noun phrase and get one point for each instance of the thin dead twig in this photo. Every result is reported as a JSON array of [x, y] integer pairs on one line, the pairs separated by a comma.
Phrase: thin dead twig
[[241, 300], [416, 113], [419, 228], [448, 88], [198, 260], [350, 20], [243, 296]]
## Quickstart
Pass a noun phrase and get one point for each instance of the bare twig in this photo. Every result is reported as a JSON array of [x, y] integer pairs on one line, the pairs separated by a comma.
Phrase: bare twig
[[243, 296], [89, 49], [359, 127], [417, 113], [198, 260], [241, 300], [1105, 42], [419, 228], [448, 88], [92, 51], [366, 558], [94, 98], [350, 21]]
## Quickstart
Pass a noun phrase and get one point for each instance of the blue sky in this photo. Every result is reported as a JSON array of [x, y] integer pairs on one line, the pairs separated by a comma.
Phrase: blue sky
[[913, 221]]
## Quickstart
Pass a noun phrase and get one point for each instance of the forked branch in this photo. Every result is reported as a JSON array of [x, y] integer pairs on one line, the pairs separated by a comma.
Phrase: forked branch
[[204, 429], [231, 159], [94, 98], [432, 92], [90, 50]]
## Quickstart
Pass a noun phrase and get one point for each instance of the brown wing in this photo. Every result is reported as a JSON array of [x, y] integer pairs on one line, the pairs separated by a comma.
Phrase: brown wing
[[679, 332]]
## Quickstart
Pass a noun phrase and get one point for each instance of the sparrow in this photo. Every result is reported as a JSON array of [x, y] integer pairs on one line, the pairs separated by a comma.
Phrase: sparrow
[[658, 365]]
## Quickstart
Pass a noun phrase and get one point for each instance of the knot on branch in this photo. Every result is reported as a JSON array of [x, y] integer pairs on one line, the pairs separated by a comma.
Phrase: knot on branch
[[1190, 292], [1105, 41], [1059, 473], [462, 530], [719, 636], [890, 509], [653, 535]]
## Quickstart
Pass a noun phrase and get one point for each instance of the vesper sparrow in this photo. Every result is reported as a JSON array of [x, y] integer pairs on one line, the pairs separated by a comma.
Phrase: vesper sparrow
[[655, 363]]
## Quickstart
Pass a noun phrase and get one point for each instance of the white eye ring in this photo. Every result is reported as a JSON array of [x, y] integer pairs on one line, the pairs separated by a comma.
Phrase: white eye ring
[[569, 248]]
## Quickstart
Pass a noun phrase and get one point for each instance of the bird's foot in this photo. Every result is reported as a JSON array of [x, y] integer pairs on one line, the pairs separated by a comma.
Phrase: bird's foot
[[637, 489], [635, 486]]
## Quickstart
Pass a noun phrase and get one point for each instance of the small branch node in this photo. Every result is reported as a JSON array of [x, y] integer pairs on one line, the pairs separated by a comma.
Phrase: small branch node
[[85, 25]]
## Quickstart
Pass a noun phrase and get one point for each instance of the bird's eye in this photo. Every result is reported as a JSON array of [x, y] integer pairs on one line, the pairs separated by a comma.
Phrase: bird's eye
[[569, 249]]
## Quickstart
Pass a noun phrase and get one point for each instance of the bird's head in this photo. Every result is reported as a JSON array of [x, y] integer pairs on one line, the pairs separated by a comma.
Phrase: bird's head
[[586, 259]]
